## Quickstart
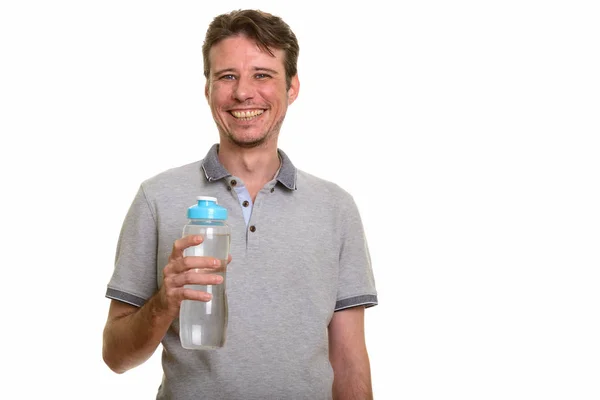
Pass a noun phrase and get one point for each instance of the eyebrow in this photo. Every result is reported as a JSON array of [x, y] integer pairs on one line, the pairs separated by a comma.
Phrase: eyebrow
[[256, 69]]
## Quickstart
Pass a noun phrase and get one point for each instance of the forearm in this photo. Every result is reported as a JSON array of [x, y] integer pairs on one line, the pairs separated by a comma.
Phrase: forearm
[[129, 340], [352, 379], [348, 356]]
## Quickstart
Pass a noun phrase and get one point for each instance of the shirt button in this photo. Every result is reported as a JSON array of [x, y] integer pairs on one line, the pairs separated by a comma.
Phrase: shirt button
[[233, 182], [252, 228], [245, 203], [272, 190], [229, 188]]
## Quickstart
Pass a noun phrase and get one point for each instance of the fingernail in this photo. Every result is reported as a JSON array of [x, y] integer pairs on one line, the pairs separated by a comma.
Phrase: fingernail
[[219, 279], [217, 262], [197, 238]]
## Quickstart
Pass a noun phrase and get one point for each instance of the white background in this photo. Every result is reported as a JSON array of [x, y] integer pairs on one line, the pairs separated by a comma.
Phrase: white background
[[467, 132]]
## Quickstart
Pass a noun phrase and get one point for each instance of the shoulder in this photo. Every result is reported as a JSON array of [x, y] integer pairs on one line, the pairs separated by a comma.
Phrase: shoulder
[[173, 189], [174, 177], [322, 188]]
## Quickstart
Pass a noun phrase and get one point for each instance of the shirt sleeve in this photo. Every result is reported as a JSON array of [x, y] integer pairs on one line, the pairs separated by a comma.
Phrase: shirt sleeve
[[356, 280], [134, 278]]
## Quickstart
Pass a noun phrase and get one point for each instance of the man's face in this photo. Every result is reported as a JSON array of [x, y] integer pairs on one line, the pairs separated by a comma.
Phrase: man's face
[[246, 91]]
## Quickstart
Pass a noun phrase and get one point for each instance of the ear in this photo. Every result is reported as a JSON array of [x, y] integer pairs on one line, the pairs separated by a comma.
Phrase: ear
[[294, 89], [206, 90]]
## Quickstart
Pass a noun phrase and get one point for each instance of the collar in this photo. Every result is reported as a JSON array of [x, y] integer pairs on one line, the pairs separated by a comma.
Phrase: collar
[[214, 170]]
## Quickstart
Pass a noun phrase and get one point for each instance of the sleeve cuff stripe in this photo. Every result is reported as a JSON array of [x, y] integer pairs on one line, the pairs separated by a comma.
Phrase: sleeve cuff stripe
[[125, 297], [365, 300]]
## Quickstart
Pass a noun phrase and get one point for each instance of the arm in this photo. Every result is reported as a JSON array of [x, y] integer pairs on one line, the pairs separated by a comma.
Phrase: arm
[[132, 334], [348, 355]]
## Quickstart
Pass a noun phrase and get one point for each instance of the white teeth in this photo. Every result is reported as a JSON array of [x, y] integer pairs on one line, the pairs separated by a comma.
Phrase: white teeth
[[247, 114]]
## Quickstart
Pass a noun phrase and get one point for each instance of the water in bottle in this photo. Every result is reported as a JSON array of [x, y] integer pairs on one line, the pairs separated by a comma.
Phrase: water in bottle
[[203, 325]]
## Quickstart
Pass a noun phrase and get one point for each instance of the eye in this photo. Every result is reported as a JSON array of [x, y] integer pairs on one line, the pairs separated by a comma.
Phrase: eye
[[262, 76], [228, 77]]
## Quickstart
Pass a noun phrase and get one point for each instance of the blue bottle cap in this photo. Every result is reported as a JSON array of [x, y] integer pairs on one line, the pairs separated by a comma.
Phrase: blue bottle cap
[[207, 208]]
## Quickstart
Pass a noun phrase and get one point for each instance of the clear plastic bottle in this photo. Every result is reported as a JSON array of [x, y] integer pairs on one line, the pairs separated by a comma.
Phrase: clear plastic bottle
[[203, 325]]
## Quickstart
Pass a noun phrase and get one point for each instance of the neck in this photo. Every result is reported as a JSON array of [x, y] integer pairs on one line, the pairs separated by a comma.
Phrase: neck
[[255, 166]]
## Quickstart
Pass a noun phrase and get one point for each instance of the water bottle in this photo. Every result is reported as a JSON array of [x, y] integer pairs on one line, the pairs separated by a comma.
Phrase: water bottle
[[202, 325]]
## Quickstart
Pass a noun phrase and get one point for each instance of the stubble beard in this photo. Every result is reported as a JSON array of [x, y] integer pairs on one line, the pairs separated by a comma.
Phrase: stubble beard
[[250, 144]]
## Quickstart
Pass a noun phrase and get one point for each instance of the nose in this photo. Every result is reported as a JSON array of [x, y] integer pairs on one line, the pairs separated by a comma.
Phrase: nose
[[243, 90]]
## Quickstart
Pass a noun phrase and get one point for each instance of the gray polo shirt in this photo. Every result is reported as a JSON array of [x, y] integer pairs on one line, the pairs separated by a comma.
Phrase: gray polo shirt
[[301, 257]]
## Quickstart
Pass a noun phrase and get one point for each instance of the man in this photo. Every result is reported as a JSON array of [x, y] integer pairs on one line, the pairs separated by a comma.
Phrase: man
[[299, 276]]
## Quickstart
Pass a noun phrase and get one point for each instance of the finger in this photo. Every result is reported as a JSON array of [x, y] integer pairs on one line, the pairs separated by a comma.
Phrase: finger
[[193, 294], [183, 243], [197, 262], [175, 267], [176, 295], [196, 277], [229, 259]]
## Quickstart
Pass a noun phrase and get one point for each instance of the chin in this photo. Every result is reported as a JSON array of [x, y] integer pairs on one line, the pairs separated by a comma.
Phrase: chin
[[248, 143]]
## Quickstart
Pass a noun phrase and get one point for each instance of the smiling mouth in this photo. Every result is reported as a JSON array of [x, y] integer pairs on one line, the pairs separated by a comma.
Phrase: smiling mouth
[[246, 115]]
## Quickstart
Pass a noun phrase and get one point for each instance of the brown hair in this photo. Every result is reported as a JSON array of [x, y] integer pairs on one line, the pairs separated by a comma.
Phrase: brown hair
[[269, 32]]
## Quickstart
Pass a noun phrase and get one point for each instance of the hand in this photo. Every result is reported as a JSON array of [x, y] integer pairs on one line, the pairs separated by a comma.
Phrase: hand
[[189, 270]]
